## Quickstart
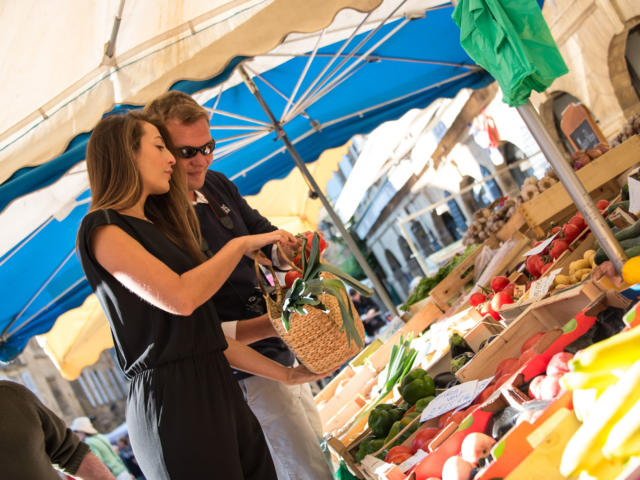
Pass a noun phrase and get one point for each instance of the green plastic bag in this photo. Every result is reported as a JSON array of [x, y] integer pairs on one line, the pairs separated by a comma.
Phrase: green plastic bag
[[343, 473], [511, 40]]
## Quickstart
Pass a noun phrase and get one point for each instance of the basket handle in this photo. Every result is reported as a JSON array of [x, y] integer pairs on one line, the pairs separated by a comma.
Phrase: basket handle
[[259, 276], [287, 259]]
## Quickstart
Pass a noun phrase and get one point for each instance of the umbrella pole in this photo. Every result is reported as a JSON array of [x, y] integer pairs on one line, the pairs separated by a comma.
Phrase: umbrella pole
[[574, 187], [377, 284]]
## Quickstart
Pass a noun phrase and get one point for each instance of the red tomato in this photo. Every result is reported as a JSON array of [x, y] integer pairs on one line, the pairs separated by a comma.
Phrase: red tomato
[[508, 365], [499, 282], [485, 394], [502, 379], [423, 438], [602, 205], [555, 230], [557, 248], [534, 265], [290, 277], [571, 232], [476, 299], [546, 267], [578, 221], [531, 341], [500, 299], [398, 454], [510, 289], [526, 356]]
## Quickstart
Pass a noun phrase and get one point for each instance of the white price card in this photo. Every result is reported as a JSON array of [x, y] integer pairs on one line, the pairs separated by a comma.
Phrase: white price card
[[541, 247], [411, 462], [541, 287], [452, 398]]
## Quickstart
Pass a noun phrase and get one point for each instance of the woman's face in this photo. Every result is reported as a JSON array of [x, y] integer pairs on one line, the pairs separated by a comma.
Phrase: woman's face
[[154, 161]]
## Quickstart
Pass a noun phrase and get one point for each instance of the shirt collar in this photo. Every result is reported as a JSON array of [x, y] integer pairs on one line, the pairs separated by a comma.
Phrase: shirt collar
[[200, 198]]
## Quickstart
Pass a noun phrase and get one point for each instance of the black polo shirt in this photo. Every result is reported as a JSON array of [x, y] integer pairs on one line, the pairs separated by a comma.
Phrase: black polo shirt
[[233, 298]]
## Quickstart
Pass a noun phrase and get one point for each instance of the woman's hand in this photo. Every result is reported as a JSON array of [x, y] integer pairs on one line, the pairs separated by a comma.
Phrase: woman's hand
[[253, 243], [301, 374]]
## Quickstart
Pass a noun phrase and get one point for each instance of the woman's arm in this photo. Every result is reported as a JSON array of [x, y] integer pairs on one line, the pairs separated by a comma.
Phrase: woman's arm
[[248, 360], [146, 276], [254, 329]]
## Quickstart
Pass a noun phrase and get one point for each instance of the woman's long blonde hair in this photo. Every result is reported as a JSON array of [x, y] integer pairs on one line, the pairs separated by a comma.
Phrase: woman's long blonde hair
[[116, 183]]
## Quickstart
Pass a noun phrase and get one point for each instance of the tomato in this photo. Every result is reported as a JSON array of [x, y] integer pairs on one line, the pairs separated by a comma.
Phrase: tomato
[[546, 267], [508, 365], [499, 282], [578, 221], [555, 230], [526, 356], [500, 299], [502, 379], [398, 454], [510, 289], [290, 277], [571, 232], [557, 248], [602, 205], [423, 438], [476, 299], [534, 265], [485, 394], [531, 341]]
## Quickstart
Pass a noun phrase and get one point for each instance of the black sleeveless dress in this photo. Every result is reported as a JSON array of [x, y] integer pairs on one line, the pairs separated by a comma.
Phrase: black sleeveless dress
[[186, 415]]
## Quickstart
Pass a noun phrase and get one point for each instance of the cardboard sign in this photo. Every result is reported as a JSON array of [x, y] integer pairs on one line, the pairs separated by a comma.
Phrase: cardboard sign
[[541, 287]]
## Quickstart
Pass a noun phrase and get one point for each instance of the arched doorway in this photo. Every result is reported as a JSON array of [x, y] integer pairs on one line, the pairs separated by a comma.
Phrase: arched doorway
[[425, 240], [396, 269], [454, 218], [412, 262], [512, 154], [632, 57], [490, 188]]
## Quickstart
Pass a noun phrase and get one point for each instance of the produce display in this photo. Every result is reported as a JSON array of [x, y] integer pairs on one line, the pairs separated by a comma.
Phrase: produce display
[[632, 127], [428, 283], [544, 393]]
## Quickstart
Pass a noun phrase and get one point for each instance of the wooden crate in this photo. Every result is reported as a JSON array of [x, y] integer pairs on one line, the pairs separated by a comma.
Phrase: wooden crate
[[453, 284], [598, 178], [544, 315], [515, 224]]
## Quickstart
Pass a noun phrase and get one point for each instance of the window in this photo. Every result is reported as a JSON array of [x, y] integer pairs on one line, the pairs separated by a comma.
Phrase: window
[[561, 102]]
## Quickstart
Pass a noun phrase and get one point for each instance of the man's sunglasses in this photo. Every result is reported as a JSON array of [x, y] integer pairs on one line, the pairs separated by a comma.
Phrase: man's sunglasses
[[190, 152]]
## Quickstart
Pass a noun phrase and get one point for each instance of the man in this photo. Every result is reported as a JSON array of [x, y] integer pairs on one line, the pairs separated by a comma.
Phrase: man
[[32, 438], [287, 414], [369, 313], [100, 446]]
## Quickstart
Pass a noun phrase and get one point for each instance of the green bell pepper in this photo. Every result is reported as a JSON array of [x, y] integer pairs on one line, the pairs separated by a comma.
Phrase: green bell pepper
[[382, 417], [400, 425], [416, 385], [422, 403], [368, 446]]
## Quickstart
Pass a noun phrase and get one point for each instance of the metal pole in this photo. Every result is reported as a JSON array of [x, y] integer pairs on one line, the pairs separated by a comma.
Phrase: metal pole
[[377, 284], [574, 187]]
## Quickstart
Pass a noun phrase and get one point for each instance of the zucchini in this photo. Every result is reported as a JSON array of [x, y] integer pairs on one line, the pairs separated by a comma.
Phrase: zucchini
[[632, 231], [624, 192], [623, 205], [630, 247]]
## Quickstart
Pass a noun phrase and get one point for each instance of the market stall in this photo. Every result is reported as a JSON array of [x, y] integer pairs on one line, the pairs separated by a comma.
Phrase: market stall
[[504, 358]]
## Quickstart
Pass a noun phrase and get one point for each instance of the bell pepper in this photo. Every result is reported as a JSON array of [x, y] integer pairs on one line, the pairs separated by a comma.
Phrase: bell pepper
[[416, 385], [382, 418], [422, 403], [368, 446], [400, 425]]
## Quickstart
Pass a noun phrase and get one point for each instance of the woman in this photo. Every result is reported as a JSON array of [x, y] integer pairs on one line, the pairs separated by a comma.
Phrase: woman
[[139, 248]]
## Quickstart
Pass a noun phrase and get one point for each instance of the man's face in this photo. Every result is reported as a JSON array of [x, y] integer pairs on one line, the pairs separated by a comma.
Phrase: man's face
[[193, 135]]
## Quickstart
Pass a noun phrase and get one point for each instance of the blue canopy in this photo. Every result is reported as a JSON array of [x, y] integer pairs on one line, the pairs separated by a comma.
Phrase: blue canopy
[[402, 65]]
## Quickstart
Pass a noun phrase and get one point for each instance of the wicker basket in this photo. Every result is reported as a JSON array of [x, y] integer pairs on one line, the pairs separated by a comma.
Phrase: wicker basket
[[315, 338]]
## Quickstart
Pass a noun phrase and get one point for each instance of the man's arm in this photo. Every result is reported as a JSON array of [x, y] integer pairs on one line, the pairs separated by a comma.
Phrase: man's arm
[[91, 468]]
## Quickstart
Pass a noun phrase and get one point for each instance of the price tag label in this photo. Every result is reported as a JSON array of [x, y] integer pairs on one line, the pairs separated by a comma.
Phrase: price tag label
[[452, 398], [541, 287], [411, 462], [541, 247]]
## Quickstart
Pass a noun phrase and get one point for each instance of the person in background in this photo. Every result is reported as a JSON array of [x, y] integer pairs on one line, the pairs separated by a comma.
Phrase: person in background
[[287, 414], [32, 438], [369, 313], [126, 454], [100, 446]]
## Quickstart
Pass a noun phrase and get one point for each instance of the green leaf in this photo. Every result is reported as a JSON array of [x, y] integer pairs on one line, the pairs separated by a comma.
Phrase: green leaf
[[285, 320], [352, 282], [303, 254], [314, 257]]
